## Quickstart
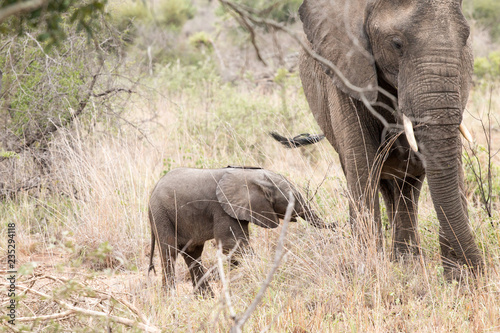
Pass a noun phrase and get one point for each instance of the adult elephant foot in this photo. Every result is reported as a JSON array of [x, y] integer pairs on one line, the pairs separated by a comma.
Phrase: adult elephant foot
[[204, 291], [454, 267], [405, 251]]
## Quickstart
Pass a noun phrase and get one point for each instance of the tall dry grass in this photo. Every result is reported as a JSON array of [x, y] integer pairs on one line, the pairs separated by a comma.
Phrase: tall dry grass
[[93, 222]]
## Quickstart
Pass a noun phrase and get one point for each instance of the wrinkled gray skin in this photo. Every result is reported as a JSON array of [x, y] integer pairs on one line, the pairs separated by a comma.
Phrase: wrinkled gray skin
[[419, 51], [190, 206]]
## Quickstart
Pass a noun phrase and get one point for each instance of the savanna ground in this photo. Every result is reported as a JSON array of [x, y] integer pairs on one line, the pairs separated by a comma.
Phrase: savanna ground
[[194, 94]]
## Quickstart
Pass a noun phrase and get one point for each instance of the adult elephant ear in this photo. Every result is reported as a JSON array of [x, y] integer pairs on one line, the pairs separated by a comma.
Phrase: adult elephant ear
[[244, 196], [335, 29]]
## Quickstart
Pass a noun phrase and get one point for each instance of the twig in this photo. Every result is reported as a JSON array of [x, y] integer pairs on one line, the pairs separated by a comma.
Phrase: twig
[[241, 320], [485, 186], [73, 310], [321, 183], [115, 90], [330, 67]]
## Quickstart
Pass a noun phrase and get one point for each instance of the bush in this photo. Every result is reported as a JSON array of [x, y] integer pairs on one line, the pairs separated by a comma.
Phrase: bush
[[170, 14], [486, 13], [174, 13], [201, 40], [278, 10], [40, 89], [488, 67]]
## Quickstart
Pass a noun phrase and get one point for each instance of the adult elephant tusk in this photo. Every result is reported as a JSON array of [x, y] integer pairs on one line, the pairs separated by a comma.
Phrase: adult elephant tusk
[[465, 132], [410, 136]]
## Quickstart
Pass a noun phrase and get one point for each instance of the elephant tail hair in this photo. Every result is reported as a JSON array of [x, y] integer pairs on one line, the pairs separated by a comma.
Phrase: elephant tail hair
[[300, 140]]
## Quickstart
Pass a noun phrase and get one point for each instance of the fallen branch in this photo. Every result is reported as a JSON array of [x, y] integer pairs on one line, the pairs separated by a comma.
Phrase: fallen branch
[[108, 295], [93, 313], [72, 309], [62, 315]]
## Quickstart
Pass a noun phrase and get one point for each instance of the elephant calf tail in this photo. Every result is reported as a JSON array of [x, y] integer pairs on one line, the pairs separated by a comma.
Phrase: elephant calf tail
[[300, 140], [151, 265]]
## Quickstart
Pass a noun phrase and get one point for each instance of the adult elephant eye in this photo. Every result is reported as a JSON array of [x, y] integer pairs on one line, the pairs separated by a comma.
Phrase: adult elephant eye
[[397, 44]]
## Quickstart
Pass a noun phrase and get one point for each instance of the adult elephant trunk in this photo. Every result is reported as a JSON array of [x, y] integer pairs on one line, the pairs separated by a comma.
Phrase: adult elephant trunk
[[434, 102], [443, 168]]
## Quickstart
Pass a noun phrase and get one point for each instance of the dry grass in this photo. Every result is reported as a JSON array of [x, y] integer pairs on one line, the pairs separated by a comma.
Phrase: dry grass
[[89, 223], [328, 282]]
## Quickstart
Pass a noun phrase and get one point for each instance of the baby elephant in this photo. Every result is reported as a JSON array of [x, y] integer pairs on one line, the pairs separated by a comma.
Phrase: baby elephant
[[190, 206]]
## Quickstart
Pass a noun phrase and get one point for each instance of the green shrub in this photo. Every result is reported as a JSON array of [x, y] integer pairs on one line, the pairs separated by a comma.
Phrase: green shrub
[[488, 67], [170, 14], [201, 39], [128, 13], [486, 13], [278, 10], [50, 88], [174, 13]]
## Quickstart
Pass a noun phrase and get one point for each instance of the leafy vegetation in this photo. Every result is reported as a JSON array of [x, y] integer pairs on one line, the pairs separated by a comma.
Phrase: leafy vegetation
[[50, 17], [44, 89], [488, 67], [278, 10], [169, 15], [486, 13]]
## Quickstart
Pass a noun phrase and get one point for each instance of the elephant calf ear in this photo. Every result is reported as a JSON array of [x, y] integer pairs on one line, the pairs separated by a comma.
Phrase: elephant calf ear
[[241, 196], [335, 29]]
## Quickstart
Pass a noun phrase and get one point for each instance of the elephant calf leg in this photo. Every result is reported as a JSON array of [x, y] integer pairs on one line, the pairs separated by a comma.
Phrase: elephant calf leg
[[168, 256], [234, 240], [237, 250], [192, 256]]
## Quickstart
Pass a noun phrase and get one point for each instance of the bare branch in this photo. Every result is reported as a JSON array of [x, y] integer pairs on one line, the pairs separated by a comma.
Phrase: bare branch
[[278, 26], [110, 91], [244, 22], [241, 320], [473, 161]]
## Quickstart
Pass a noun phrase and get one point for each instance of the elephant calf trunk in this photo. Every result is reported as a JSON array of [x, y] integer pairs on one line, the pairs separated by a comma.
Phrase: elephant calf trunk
[[316, 221]]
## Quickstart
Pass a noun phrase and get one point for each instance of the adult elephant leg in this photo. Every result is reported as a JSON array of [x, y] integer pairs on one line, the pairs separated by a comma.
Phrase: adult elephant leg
[[192, 256], [354, 133], [402, 198], [358, 154], [387, 191]]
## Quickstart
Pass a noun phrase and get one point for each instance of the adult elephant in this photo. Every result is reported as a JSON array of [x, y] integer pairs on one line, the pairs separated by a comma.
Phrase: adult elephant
[[418, 51]]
